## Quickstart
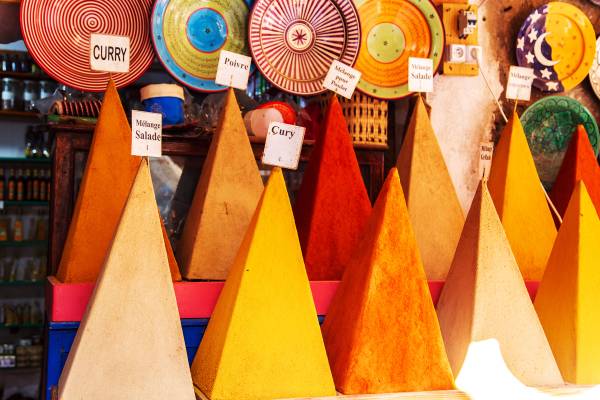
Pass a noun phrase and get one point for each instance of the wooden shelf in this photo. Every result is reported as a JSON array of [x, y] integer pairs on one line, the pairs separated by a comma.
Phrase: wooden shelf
[[24, 203], [26, 76], [13, 114], [23, 283], [22, 326], [23, 160], [22, 243]]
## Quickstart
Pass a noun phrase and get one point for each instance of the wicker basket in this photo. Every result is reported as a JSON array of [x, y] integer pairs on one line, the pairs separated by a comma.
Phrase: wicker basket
[[367, 118]]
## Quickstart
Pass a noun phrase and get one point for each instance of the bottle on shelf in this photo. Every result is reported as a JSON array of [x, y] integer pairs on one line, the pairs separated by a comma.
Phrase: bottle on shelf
[[35, 186], [11, 185], [20, 183], [18, 228], [28, 185], [2, 184]]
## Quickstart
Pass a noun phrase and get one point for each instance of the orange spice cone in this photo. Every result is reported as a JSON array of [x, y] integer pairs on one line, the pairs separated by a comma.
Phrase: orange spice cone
[[224, 201], [485, 298], [263, 340], [579, 164], [520, 201], [428, 186], [107, 180], [332, 205], [130, 343], [381, 331], [567, 301]]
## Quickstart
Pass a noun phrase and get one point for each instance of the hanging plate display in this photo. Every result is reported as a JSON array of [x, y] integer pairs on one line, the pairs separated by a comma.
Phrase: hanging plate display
[[595, 71], [558, 41], [293, 42], [393, 31], [549, 124], [57, 35], [189, 35]]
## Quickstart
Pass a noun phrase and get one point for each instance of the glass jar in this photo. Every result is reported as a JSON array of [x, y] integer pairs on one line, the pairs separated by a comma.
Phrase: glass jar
[[8, 94], [46, 89], [30, 95]]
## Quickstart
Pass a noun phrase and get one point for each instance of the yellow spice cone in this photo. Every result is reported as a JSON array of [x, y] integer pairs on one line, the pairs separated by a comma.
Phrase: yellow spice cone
[[435, 212], [567, 301], [106, 183], [263, 340], [130, 343], [519, 198], [224, 201], [485, 298]]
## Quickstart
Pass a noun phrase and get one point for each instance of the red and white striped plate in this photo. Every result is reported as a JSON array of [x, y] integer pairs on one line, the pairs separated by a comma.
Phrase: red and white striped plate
[[294, 42], [57, 35]]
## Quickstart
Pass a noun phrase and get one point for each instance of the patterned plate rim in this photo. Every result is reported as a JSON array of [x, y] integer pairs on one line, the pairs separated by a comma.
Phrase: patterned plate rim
[[323, 90], [131, 78], [217, 88], [532, 108], [436, 64]]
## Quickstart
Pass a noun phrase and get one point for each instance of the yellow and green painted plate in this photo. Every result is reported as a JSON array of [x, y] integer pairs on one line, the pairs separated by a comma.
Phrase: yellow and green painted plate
[[393, 31]]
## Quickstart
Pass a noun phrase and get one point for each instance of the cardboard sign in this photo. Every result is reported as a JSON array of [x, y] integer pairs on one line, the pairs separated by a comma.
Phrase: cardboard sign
[[420, 74], [109, 53], [519, 84], [233, 70], [146, 134], [283, 145], [341, 79], [486, 152]]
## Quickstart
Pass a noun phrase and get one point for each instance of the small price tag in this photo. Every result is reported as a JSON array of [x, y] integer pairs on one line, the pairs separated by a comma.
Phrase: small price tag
[[420, 74], [486, 152], [283, 145], [341, 79], [1, 204], [146, 134], [109, 53], [519, 84], [233, 70]]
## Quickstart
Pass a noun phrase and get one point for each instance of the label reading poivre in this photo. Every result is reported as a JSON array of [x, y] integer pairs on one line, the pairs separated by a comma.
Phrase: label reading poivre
[[420, 74], [341, 79], [146, 134], [233, 70], [283, 145], [486, 152], [109, 53], [519, 83]]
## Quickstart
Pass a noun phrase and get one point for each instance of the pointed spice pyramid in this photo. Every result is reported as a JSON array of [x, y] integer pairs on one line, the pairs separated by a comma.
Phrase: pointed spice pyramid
[[579, 164], [106, 183], [567, 301], [520, 201], [332, 205], [130, 343], [225, 198], [263, 340], [485, 298], [436, 215], [381, 331]]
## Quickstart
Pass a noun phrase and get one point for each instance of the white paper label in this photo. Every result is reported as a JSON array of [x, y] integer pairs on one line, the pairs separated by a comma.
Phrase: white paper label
[[1, 204], [519, 84], [420, 74], [341, 79], [233, 70], [283, 145], [109, 53], [486, 152], [146, 134]]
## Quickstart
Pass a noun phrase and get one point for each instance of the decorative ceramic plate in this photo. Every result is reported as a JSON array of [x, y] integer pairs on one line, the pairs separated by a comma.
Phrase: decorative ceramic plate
[[57, 35], [293, 42], [558, 41], [595, 71], [393, 31], [549, 124], [190, 34]]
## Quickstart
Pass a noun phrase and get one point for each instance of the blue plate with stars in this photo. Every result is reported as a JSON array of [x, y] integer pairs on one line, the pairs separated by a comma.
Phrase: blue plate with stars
[[189, 35], [558, 42]]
